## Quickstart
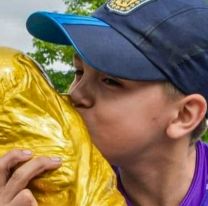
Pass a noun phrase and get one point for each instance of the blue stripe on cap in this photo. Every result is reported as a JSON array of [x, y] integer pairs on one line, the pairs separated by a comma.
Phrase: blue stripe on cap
[[75, 20]]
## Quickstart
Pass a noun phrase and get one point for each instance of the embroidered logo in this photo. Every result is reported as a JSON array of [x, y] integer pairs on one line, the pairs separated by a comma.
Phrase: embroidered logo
[[124, 6]]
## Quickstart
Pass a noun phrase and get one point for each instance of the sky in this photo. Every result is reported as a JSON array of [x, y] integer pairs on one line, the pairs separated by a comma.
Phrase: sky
[[13, 16]]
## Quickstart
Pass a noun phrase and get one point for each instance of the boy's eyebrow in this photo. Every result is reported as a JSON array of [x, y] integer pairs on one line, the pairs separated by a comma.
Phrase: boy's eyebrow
[[77, 57], [77, 60]]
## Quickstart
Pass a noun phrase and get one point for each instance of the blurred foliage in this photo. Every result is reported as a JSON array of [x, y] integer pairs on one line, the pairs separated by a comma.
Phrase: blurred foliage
[[47, 54], [82, 7], [60, 80], [205, 137]]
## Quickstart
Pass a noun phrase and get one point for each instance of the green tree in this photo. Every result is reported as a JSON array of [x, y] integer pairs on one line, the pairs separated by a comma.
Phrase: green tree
[[60, 80], [205, 137]]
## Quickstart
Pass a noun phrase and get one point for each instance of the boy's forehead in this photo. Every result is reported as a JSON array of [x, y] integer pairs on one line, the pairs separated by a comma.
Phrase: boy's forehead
[[77, 59]]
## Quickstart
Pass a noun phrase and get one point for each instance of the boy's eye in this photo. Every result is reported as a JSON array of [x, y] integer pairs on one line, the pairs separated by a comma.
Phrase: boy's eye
[[111, 82], [78, 72]]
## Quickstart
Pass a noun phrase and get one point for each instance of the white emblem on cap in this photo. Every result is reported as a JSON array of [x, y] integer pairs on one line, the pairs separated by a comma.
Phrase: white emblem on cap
[[124, 6]]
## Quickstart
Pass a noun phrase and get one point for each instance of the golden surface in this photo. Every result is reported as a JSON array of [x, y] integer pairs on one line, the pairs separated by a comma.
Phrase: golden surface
[[34, 116]]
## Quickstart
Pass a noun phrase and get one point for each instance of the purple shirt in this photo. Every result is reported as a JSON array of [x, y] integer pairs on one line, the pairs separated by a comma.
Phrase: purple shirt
[[199, 184]]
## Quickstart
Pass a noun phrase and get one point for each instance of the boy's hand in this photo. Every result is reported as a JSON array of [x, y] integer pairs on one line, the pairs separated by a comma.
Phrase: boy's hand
[[12, 185]]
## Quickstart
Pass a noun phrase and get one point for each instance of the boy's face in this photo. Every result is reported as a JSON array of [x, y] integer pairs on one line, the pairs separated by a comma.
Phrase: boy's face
[[125, 118]]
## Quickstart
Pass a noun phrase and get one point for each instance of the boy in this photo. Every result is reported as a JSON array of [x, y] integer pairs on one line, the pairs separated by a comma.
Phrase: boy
[[141, 87]]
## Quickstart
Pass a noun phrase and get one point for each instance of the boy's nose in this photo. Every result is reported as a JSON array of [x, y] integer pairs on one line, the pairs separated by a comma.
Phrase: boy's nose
[[81, 96]]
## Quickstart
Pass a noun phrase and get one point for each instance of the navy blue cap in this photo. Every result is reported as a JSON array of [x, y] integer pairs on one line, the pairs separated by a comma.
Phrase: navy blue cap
[[138, 40]]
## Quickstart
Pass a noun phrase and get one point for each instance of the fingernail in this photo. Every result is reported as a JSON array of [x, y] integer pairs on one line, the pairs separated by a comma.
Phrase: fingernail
[[27, 152], [56, 159]]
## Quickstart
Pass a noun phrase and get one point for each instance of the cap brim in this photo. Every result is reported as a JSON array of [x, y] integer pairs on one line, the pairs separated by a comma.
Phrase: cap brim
[[96, 42]]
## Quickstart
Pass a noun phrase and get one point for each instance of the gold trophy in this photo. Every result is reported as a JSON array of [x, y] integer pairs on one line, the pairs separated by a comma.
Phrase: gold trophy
[[34, 116]]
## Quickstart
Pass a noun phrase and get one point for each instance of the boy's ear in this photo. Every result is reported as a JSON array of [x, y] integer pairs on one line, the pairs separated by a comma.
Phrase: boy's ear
[[187, 115]]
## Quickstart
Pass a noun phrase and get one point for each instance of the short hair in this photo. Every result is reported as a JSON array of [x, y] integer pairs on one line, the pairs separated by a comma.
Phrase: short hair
[[174, 93]]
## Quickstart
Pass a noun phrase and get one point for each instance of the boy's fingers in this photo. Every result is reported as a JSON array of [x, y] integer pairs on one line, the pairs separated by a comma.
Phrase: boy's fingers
[[9, 161], [24, 198], [21, 177]]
